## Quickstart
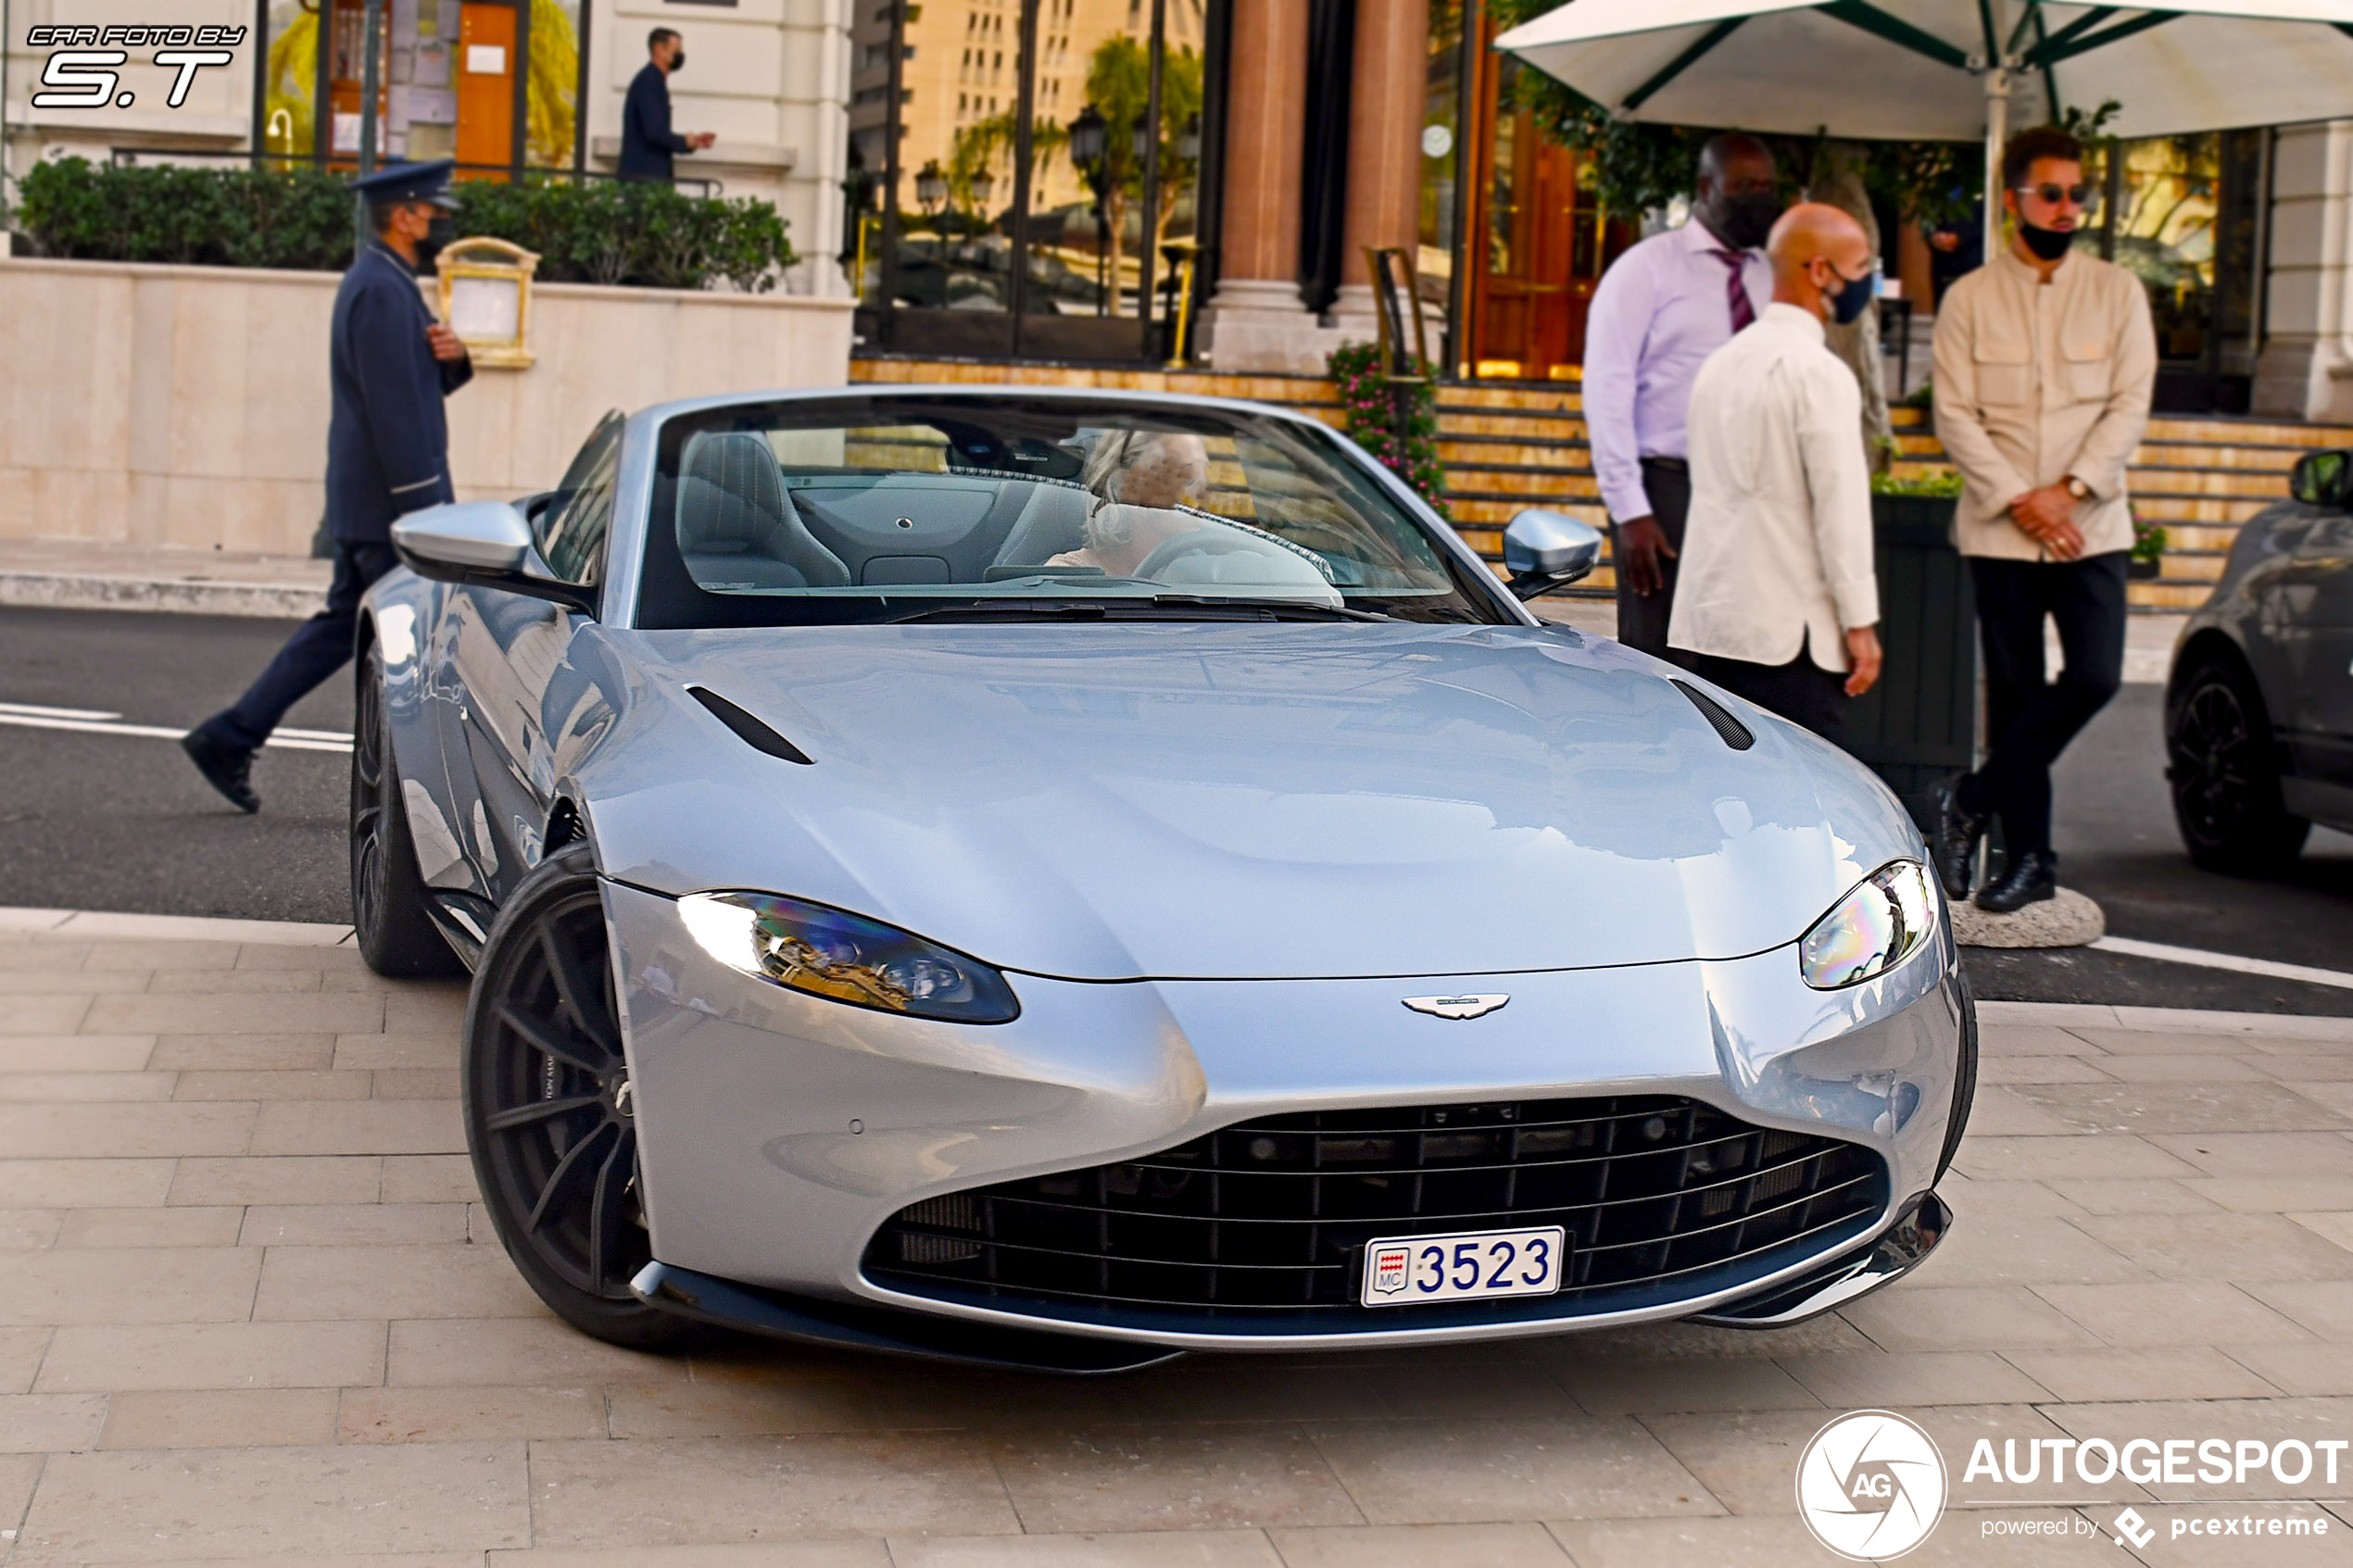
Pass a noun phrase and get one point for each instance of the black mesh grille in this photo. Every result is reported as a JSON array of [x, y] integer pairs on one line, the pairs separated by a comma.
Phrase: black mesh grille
[[1662, 1198]]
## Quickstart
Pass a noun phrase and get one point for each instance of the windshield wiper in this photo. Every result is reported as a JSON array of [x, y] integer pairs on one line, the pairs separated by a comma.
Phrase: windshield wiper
[[1281, 609], [1154, 607]]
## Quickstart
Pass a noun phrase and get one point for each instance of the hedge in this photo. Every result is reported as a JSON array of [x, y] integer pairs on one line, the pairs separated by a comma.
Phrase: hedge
[[592, 231]]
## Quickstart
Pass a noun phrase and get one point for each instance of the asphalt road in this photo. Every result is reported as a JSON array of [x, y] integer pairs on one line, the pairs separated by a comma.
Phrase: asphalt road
[[122, 822]]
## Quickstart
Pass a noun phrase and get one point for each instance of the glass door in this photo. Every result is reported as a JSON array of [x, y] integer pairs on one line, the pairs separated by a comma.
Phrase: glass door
[[1028, 170]]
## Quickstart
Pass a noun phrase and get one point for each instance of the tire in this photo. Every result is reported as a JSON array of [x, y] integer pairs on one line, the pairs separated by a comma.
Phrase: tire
[[389, 905], [1964, 1083], [546, 1107], [2224, 770]]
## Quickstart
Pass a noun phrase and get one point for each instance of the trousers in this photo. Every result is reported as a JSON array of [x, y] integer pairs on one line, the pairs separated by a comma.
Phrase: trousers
[[320, 647], [1641, 619], [1801, 691], [2030, 718]]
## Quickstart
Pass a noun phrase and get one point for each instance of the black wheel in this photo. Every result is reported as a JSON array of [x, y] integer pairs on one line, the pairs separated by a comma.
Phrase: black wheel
[[396, 934], [547, 1109], [2224, 768], [1964, 1082]]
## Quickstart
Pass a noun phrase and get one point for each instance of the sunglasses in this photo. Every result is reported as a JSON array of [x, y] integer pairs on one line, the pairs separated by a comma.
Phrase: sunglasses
[[2084, 196]]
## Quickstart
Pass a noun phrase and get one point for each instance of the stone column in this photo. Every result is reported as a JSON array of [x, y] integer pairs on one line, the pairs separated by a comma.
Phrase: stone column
[[1257, 321], [2305, 370], [1384, 107]]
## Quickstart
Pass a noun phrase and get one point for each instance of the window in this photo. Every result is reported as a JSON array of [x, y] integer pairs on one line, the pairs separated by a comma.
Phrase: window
[[570, 530]]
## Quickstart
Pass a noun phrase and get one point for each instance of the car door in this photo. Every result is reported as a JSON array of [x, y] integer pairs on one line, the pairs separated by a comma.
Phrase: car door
[[2322, 724], [509, 651]]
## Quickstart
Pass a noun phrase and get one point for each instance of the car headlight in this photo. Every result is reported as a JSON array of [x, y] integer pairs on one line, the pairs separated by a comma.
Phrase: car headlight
[[831, 953], [1882, 922]]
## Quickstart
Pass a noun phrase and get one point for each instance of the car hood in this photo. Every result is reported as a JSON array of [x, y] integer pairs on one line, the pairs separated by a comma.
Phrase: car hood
[[1182, 799]]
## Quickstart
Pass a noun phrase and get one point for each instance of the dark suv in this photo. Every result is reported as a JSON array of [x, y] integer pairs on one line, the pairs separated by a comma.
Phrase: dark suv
[[2258, 713]]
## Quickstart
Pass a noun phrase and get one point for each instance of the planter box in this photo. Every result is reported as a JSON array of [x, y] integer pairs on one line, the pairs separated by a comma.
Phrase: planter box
[[2143, 571], [1919, 725]]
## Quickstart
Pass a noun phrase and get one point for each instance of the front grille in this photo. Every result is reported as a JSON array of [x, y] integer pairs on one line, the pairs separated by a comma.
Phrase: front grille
[[1265, 1224]]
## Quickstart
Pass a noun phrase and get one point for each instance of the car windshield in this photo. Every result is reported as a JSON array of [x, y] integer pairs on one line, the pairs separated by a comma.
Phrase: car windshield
[[939, 507]]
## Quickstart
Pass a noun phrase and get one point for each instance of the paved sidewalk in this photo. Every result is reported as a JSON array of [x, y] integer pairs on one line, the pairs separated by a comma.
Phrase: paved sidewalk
[[88, 575], [249, 1313]]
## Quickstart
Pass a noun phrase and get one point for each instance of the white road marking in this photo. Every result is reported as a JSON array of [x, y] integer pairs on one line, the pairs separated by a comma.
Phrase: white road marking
[[109, 725], [2133, 947], [34, 710]]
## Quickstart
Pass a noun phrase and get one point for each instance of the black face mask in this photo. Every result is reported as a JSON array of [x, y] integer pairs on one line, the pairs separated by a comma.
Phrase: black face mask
[[438, 233], [1744, 222], [1855, 295], [678, 61], [2048, 244]]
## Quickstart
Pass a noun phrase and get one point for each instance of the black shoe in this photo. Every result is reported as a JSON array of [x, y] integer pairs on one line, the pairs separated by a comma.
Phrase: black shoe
[[224, 767], [1958, 832], [2032, 877]]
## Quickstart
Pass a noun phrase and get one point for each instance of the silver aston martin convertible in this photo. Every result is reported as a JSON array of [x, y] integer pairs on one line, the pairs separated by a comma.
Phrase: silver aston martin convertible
[[1059, 879]]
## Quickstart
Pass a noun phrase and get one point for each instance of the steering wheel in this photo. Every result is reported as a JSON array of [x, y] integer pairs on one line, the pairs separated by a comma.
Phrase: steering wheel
[[1200, 542]]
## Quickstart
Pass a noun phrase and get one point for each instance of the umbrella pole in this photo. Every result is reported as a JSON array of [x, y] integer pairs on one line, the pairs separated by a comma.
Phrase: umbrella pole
[[1998, 135]]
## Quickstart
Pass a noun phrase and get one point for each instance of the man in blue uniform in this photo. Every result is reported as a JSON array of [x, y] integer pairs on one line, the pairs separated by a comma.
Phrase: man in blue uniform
[[647, 145], [389, 366]]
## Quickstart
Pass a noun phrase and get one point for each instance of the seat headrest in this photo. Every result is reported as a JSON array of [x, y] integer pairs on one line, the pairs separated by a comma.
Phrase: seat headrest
[[731, 497]]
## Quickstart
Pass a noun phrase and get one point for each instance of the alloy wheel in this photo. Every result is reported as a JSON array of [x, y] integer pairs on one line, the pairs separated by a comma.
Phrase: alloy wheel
[[2214, 759], [552, 1103]]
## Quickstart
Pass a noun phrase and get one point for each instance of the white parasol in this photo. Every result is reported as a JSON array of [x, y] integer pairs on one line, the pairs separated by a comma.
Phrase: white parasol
[[1949, 71]]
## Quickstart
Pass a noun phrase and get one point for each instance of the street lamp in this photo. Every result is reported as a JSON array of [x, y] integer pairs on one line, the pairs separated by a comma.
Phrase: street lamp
[[1188, 140], [1086, 139], [1087, 136], [931, 187], [982, 184]]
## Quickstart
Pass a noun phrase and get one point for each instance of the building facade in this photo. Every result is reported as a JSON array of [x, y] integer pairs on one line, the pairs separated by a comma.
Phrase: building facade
[[1145, 182], [500, 85]]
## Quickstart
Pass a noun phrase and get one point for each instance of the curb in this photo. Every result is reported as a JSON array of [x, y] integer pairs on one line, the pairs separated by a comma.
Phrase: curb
[[83, 924], [76, 590]]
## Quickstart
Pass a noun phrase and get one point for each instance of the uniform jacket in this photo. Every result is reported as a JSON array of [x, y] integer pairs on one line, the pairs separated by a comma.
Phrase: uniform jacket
[[2036, 382], [648, 144], [387, 438], [1776, 551]]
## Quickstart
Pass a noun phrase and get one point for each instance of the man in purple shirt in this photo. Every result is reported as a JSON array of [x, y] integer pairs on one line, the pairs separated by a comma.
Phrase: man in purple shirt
[[1661, 310]]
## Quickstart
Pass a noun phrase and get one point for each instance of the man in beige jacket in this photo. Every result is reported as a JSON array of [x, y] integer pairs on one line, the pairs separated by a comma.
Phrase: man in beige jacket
[[2045, 362]]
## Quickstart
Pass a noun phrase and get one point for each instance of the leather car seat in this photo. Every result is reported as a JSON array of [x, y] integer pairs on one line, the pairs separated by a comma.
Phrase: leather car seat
[[1052, 522], [735, 529]]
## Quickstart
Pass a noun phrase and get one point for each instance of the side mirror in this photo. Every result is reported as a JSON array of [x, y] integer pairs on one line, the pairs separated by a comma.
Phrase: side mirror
[[485, 542], [2318, 479], [1548, 550]]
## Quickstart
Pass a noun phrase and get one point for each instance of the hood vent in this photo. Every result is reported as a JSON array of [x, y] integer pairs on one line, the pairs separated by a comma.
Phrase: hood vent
[[1735, 734], [754, 734]]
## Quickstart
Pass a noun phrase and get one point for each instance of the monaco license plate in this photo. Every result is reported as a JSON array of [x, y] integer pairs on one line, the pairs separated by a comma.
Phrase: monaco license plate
[[1471, 1266]]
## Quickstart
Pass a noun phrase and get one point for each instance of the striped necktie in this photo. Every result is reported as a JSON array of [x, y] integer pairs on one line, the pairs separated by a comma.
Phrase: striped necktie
[[1743, 313]]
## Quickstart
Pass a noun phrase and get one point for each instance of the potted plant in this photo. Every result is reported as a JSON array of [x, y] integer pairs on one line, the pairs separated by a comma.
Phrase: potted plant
[[2147, 560]]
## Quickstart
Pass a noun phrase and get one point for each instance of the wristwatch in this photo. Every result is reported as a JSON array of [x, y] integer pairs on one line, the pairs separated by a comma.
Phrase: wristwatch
[[2078, 489]]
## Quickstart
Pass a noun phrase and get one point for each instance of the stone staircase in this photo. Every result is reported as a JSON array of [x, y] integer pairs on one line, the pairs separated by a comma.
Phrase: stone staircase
[[1507, 447]]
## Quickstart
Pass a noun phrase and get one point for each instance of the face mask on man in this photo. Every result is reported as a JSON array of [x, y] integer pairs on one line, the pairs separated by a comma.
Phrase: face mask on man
[[1744, 222], [2048, 244], [678, 61], [439, 232], [1854, 296]]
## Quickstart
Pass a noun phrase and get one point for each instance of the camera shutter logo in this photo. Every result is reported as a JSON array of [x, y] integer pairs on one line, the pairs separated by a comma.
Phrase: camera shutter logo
[[1871, 1486]]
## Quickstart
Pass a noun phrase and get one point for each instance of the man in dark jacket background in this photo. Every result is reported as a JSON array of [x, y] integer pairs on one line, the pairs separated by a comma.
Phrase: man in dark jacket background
[[389, 365], [648, 144]]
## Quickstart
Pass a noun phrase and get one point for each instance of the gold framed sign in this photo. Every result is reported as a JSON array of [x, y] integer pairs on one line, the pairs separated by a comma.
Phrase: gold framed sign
[[486, 299]]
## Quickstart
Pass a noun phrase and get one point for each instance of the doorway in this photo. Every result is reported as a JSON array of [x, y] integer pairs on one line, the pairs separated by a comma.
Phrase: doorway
[[1536, 239]]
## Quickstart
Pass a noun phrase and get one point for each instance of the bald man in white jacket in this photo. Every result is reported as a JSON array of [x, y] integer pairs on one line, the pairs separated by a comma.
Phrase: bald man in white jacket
[[1777, 597]]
